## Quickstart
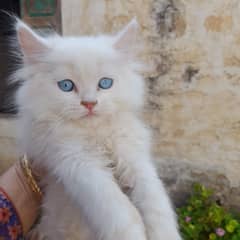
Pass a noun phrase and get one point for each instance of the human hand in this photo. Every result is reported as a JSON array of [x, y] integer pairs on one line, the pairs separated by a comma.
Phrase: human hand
[[16, 184]]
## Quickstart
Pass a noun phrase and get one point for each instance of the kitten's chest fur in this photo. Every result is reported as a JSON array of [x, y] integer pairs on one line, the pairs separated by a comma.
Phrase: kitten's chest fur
[[102, 140], [102, 137], [99, 139], [95, 139]]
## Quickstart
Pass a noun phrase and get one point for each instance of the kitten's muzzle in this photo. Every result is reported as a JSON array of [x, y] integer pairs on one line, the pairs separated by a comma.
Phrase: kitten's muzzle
[[89, 105]]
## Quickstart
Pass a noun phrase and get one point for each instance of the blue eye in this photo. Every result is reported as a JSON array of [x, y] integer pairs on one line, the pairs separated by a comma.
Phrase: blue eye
[[105, 83], [66, 85]]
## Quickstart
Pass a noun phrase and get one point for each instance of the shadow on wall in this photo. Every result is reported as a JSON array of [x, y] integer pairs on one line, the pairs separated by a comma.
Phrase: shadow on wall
[[8, 60]]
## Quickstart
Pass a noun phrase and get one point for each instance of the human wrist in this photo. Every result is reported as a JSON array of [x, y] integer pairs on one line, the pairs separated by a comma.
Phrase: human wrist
[[24, 199], [30, 177]]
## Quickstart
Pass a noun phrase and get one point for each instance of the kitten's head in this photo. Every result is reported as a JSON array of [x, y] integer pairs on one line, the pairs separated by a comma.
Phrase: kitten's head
[[78, 77]]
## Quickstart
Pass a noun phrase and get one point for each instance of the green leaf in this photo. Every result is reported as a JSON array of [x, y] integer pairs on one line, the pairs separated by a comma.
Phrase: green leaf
[[212, 236], [231, 226], [206, 215]]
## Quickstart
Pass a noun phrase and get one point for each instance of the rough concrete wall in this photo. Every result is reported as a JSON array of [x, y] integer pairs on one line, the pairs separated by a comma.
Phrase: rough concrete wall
[[8, 153], [194, 87]]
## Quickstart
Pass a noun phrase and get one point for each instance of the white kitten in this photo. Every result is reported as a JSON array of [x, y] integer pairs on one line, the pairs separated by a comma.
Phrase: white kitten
[[79, 109]]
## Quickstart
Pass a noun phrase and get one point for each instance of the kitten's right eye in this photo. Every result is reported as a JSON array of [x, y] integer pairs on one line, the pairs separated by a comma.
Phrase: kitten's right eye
[[105, 83], [66, 85]]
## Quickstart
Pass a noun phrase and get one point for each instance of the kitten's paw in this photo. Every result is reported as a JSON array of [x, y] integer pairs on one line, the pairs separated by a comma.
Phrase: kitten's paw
[[164, 234], [132, 233], [130, 230], [35, 235]]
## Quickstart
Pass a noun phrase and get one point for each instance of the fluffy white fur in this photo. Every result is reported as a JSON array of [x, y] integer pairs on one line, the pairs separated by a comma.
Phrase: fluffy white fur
[[101, 182]]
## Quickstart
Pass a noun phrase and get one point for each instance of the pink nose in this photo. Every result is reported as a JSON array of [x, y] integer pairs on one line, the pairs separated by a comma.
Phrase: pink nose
[[89, 105]]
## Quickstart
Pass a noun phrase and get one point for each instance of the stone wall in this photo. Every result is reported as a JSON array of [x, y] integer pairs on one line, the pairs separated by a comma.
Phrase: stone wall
[[193, 103], [8, 150], [194, 87]]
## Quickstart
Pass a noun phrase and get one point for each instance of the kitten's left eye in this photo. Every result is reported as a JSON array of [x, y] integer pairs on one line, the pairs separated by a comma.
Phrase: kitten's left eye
[[105, 83], [66, 85]]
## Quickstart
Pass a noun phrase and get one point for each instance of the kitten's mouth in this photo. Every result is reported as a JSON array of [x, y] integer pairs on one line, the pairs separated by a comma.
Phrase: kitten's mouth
[[90, 114]]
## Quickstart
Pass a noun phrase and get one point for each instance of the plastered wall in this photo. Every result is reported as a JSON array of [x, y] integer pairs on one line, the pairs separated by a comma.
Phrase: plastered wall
[[193, 100]]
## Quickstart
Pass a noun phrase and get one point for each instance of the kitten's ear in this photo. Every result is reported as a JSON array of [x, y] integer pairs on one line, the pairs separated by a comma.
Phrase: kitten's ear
[[127, 38], [31, 44]]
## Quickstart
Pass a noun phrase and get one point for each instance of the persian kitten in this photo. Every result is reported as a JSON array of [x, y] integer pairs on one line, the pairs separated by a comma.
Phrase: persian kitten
[[79, 107]]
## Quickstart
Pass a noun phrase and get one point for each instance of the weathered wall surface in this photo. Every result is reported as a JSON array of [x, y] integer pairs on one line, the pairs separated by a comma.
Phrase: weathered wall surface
[[8, 152], [194, 88]]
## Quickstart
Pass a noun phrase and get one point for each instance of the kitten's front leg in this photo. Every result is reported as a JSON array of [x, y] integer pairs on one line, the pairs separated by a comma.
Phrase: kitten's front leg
[[108, 211], [148, 195]]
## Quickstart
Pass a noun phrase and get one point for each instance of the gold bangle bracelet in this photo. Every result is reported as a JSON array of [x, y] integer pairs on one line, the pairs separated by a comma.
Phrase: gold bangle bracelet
[[24, 163]]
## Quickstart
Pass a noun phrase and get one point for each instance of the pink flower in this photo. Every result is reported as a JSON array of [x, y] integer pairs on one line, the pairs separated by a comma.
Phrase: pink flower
[[220, 232], [188, 219]]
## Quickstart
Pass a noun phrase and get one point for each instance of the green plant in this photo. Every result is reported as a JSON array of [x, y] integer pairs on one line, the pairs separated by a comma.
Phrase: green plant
[[204, 219]]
